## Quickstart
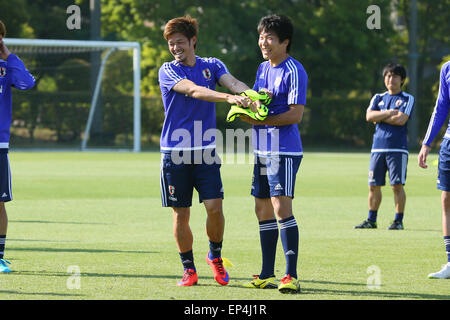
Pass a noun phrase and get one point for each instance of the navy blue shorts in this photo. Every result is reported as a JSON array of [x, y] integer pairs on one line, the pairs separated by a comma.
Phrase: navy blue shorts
[[5, 177], [179, 178], [275, 176], [443, 181], [394, 162]]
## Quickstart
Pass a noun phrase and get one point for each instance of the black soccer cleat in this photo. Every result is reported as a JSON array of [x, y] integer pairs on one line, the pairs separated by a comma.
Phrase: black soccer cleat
[[366, 224], [396, 225]]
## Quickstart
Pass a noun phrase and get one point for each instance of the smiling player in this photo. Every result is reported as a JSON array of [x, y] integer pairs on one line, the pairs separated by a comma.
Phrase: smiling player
[[278, 151], [188, 158]]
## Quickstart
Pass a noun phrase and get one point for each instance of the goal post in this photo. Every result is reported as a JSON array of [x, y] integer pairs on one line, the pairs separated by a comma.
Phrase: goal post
[[86, 46]]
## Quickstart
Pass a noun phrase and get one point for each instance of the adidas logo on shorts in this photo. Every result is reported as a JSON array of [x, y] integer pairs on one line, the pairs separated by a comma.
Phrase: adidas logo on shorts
[[278, 187], [4, 195]]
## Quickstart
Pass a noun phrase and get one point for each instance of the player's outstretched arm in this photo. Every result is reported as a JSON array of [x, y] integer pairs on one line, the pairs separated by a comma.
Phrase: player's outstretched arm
[[189, 88], [292, 116], [236, 86], [423, 154], [231, 83]]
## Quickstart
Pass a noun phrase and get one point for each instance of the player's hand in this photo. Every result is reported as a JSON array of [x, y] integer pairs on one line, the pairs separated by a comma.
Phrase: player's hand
[[239, 100], [423, 154], [254, 105], [393, 112], [4, 52], [270, 94]]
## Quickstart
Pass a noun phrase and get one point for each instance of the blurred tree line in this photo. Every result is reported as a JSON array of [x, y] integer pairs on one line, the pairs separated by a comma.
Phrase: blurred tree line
[[343, 58]]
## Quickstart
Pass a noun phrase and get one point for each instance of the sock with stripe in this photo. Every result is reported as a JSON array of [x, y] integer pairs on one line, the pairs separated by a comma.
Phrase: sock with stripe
[[447, 247], [215, 249], [2, 245], [289, 239], [268, 234], [373, 215], [399, 216], [187, 259]]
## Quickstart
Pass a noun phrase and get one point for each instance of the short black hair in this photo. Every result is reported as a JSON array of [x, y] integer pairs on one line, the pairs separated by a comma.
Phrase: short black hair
[[395, 68], [279, 24]]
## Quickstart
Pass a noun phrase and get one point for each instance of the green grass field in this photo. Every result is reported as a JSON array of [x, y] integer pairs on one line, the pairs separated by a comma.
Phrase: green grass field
[[101, 212]]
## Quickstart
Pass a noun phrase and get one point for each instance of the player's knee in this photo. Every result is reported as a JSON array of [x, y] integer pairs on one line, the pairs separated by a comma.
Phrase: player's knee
[[397, 188], [264, 210], [282, 206], [181, 215], [214, 211], [446, 201]]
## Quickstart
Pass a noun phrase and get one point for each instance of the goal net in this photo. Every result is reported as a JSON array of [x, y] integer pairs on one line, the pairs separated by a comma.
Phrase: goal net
[[87, 95]]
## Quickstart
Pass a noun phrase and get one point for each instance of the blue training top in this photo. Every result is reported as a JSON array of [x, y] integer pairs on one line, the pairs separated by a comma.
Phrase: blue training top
[[441, 108], [189, 124], [288, 82], [387, 137], [12, 74]]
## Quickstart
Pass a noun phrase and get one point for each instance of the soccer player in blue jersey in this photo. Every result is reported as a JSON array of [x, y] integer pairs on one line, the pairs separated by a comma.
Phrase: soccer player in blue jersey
[[188, 142], [12, 74], [438, 118], [278, 151], [390, 112]]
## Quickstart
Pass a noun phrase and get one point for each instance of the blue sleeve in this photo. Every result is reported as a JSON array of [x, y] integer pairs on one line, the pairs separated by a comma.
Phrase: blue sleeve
[[297, 84], [19, 77], [168, 76], [442, 106], [407, 106], [218, 69], [373, 105]]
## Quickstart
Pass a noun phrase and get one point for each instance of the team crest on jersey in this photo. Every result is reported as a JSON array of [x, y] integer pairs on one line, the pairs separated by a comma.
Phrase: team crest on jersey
[[207, 73], [2, 71], [398, 103]]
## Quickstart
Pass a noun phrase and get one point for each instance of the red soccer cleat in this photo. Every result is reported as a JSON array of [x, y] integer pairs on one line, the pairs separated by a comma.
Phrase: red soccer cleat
[[189, 278], [220, 275]]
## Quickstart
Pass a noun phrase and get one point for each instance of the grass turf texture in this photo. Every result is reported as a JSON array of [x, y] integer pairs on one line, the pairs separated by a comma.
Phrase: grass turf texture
[[102, 213]]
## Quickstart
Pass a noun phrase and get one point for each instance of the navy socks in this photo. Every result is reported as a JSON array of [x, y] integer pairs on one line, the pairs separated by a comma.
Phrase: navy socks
[[268, 234], [372, 215], [289, 239], [187, 259], [2, 245], [447, 247], [215, 249]]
